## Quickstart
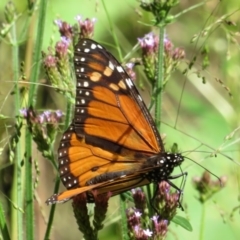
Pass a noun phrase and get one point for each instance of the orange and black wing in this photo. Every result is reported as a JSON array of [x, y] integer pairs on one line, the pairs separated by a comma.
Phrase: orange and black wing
[[112, 134]]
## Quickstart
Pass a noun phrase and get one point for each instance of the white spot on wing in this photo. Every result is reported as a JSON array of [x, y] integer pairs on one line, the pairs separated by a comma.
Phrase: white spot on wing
[[120, 69], [129, 82], [86, 84], [111, 66], [93, 46]]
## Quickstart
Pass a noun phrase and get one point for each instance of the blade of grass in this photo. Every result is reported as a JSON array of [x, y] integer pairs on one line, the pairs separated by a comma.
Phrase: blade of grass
[[17, 189], [33, 79], [159, 78], [112, 31], [3, 225]]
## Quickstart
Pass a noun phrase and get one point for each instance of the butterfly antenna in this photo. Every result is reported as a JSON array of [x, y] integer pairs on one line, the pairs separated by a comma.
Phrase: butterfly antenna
[[220, 181], [203, 144]]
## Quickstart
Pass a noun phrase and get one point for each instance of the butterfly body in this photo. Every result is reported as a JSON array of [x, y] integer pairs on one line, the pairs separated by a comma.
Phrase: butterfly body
[[112, 144]]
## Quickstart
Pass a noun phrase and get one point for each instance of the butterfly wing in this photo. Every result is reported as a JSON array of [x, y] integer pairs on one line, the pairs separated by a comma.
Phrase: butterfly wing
[[112, 133], [108, 106]]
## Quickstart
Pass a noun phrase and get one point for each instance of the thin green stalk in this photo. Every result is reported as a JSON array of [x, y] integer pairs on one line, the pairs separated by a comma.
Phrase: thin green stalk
[[202, 226], [3, 225], [190, 9], [38, 49], [29, 188], [112, 31], [17, 189], [149, 193], [32, 92], [68, 115], [124, 227], [159, 81], [52, 211]]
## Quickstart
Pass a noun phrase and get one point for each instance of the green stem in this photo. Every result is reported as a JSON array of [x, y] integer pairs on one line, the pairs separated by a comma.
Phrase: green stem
[[201, 234], [32, 92], [52, 211], [29, 188], [112, 31], [124, 227], [38, 49], [190, 9], [3, 225], [17, 190], [160, 77]]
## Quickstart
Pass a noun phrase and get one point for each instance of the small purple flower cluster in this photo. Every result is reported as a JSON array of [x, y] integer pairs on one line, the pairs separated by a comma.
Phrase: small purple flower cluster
[[172, 56], [207, 187], [43, 128], [81, 213], [56, 61], [165, 203]]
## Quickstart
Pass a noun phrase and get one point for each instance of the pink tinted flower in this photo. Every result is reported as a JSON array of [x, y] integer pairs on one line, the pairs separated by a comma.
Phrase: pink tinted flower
[[148, 233], [50, 61], [130, 71], [149, 43], [86, 26], [62, 46], [65, 29]]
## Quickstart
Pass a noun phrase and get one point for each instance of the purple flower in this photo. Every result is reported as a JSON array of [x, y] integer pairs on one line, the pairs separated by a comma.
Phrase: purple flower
[[148, 233], [23, 112], [58, 22], [47, 115], [59, 113], [138, 214], [41, 118], [168, 46], [149, 43], [65, 29], [62, 46], [50, 61], [130, 71], [86, 26]]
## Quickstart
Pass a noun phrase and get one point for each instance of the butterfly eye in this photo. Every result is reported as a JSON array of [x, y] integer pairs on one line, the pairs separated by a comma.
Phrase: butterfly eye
[[112, 144]]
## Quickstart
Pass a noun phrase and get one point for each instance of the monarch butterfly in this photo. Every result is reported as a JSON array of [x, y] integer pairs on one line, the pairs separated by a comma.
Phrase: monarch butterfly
[[112, 144]]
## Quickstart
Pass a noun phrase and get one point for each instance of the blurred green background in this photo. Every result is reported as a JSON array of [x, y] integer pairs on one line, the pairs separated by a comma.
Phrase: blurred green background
[[195, 113]]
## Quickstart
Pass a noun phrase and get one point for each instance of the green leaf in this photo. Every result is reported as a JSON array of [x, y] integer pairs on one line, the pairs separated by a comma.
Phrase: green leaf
[[183, 222]]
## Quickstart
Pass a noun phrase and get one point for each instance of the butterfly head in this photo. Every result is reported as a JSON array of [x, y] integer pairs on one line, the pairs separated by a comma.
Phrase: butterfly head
[[163, 165]]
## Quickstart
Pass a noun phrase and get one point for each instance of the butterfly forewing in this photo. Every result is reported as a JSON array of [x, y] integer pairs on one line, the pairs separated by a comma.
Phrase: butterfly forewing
[[108, 105]]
